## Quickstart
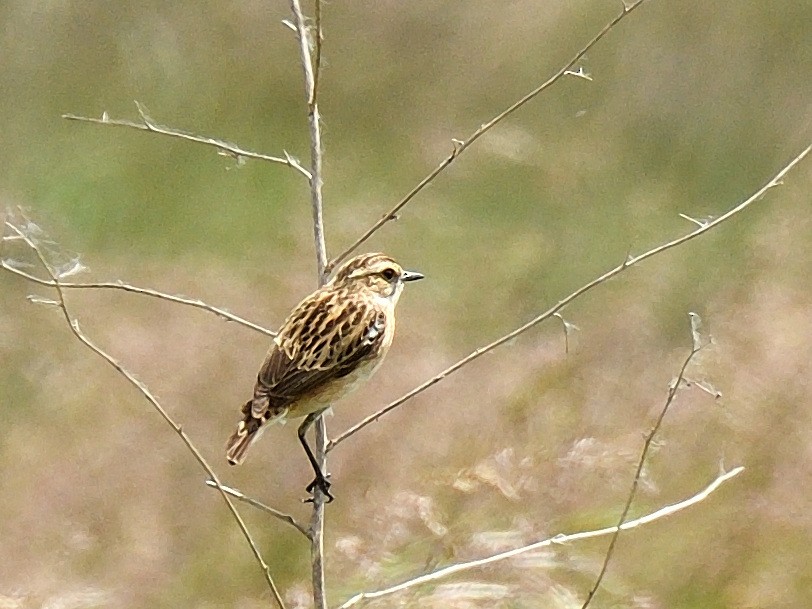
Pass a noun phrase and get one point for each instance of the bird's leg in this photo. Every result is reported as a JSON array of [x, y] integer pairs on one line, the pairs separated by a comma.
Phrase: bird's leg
[[320, 480]]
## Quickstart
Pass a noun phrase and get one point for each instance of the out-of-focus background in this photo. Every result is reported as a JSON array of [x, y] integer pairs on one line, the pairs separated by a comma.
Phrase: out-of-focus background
[[693, 105]]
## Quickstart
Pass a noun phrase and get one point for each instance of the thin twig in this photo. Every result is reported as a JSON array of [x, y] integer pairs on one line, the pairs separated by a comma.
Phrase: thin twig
[[566, 327], [117, 285], [73, 324], [672, 392], [460, 145], [319, 42], [314, 122], [316, 532], [557, 540], [226, 148], [260, 506], [629, 262]]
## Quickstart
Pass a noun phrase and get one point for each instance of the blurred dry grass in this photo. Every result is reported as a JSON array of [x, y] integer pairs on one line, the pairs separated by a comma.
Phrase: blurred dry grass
[[693, 105]]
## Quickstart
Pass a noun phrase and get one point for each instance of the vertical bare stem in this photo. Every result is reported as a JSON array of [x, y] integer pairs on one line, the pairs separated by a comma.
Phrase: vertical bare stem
[[319, 42], [314, 120], [317, 523], [316, 532]]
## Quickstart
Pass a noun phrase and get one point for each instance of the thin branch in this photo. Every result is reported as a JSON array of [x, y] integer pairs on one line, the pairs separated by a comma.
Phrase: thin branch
[[117, 285], [319, 42], [460, 146], [260, 506], [223, 147], [73, 324], [557, 540], [672, 392], [316, 532], [629, 262], [314, 122]]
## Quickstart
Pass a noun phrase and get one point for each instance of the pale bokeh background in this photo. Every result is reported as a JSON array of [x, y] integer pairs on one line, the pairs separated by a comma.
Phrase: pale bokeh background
[[693, 106]]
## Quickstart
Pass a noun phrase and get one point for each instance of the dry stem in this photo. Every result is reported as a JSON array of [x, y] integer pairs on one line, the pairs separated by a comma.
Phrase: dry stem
[[73, 324], [226, 148], [318, 44], [316, 532], [672, 392], [460, 146], [629, 262], [118, 285], [557, 540]]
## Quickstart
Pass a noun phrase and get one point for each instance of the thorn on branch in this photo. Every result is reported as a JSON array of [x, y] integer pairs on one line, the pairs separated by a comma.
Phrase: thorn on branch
[[704, 386], [568, 327], [675, 382], [292, 160], [701, 223], [579, 73], [696, 324], [142, 112], [238, 159], [41, 300]]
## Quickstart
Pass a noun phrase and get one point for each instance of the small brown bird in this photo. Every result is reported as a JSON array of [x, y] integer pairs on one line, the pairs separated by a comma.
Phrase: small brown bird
[[333, 340]]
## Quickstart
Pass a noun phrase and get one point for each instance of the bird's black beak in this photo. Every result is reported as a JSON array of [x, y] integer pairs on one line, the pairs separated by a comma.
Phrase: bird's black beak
[[411, 276]]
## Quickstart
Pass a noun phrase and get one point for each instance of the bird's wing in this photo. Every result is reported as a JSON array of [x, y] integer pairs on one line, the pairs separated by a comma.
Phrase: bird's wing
[[322, 340]]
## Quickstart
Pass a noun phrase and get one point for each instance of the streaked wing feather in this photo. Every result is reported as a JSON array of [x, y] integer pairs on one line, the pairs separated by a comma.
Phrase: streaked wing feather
[[321, 341]]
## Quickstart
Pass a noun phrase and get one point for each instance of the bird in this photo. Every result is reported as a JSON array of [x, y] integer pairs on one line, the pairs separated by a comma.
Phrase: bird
[[332, 341]]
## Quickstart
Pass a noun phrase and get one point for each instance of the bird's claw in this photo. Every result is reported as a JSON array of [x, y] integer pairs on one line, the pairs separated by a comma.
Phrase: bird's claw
[[323, 484]]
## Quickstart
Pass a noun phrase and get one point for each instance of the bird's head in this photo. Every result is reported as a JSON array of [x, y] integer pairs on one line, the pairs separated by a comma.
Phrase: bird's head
[[376, 273]]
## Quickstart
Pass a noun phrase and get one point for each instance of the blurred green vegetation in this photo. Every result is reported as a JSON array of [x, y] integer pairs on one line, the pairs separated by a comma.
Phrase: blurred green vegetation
[[692, 106]]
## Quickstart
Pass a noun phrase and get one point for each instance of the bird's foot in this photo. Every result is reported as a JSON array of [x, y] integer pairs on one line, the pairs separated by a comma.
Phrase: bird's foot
[[323, 484]]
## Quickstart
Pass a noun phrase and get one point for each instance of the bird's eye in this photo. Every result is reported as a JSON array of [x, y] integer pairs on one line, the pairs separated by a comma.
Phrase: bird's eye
[[388, 274]]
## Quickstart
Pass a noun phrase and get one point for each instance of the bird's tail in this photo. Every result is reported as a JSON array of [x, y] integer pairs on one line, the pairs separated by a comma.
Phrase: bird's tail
[[246, 432]]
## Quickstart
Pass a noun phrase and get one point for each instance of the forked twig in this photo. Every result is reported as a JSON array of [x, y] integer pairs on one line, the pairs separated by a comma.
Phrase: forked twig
[[460, 146], [226, 148], [557, 540], [629, 262], [672, 392], [118, 285], [73, 324], [284, 517]]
